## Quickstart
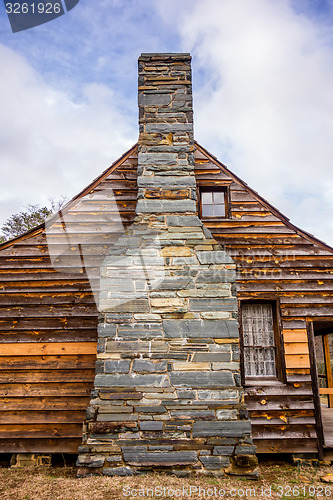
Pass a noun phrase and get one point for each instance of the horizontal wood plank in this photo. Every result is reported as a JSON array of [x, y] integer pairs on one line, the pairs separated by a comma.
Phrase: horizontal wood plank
[[44, 403], [47, 376], [40, 445], [41, 417], [58, 362], [45, 389], [12, 431], [54, 348]]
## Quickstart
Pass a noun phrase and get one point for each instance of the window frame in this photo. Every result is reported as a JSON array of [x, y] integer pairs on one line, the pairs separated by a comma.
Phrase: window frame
[[211, 189], [280, 364]]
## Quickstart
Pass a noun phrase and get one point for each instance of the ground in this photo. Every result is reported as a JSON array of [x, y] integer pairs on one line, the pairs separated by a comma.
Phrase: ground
[[277, 480]]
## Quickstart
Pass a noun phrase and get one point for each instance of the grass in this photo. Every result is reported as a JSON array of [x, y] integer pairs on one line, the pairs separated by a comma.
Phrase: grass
[[276, 480]]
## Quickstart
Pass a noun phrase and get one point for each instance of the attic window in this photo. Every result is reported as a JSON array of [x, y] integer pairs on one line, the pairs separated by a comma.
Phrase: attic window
[[213, 202]]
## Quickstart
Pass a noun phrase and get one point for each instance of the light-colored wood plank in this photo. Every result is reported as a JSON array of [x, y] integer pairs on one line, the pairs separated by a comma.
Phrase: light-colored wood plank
[[325, 390], [297, 361], [295, 336], [298, 348], [52, 348]]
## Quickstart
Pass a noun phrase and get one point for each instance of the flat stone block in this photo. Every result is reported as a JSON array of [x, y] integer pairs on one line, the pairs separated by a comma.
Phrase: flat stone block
[[234, 366], [201, 379], [211, 357], [147, 317], [135, 347], [143, 365], [223, 450], [116, 417], [213, 395], [214, 257], [201, 329], [150, 425], [191, 366], [154, 99], [166, 459], [131, 380], [90, 460], [245, 450], [212, 304], [115, 366], [226, 414], [193, 414], [234, 428], [114, 458], [179, 251], [168, 127], [165, 206], [204, 293], [214, 462], [106, 330], [215, 315], [176, 282], [183, 220], [150, 409], [118, 471]]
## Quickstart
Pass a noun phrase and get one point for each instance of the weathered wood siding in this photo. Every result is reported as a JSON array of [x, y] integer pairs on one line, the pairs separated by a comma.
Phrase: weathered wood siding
[[48, 319]]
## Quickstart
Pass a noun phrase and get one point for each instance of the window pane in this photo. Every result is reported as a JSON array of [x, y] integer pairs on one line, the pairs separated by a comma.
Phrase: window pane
[[219, 210], [207, 210], [258, 339], [218, 197], [207, 198]]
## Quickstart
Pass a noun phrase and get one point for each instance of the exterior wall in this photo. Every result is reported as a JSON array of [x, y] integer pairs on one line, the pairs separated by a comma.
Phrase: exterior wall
[[47, 354], [167, 391]]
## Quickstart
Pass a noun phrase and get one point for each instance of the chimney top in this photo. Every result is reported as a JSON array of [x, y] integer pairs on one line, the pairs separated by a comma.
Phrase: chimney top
[[156, 56]]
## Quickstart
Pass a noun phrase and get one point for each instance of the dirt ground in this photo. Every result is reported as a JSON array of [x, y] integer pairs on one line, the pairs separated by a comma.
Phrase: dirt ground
[[276, 480]]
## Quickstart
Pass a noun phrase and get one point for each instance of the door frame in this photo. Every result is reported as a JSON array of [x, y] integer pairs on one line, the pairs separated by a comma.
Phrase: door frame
[[315, 389]]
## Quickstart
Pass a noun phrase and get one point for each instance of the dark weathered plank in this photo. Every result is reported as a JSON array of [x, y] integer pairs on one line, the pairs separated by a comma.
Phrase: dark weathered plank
[[40, 445], [41, 403], [45, 389], [13, 431], [48, 376], [287, 445], [58, 362], [41, 417]]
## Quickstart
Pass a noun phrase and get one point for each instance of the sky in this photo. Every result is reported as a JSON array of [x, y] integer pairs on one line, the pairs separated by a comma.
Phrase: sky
[[262, 88]]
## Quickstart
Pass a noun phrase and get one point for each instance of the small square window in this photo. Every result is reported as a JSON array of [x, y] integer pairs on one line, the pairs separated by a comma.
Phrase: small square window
[[213, 202]]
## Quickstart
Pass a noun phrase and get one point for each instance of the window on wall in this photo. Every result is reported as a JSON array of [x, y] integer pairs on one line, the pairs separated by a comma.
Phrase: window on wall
[[213, 202], [260, 340]]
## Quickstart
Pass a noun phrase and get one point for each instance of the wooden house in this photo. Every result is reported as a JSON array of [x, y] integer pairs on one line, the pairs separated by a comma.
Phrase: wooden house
[[49, 318]]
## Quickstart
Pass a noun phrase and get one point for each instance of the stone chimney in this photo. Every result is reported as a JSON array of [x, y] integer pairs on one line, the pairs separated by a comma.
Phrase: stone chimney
[[166, 179], [167, 392]]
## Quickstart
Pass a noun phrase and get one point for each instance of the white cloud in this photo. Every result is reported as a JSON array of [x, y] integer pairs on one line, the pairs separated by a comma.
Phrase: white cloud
[[49, 144], [266, 107]]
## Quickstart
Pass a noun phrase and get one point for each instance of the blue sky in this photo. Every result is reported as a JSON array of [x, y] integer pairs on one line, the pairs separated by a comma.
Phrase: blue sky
[[263, 101]]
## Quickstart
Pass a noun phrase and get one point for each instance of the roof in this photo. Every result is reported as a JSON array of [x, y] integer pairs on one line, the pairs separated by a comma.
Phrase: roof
[[39, 229]]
